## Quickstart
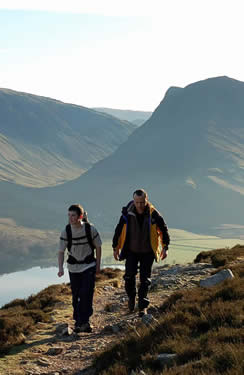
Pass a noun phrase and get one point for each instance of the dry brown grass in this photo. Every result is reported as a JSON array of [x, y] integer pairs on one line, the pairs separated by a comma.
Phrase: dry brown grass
[[220, 257], [109, 276], [19, 317], [203, 326]]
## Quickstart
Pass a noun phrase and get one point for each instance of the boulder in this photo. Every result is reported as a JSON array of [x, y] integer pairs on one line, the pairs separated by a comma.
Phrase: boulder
[[217, 278]]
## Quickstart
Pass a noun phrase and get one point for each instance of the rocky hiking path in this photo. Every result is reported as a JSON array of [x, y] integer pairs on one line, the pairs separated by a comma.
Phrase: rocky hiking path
[[54, 349]]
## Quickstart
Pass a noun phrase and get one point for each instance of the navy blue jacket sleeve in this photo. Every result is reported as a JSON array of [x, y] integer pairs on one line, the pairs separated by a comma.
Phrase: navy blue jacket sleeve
[[162, 226]]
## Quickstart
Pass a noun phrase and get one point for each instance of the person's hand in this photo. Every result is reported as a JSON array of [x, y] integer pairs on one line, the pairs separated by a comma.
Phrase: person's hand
[[164, 252], [98, 269], [60, 272], [116, 254]]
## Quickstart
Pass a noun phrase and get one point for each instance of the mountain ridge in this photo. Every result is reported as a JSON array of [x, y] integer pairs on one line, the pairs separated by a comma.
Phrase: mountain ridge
[[180, 142], [177, 156], [45, 141]]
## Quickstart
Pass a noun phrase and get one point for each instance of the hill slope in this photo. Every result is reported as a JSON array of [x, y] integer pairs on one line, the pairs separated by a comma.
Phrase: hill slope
[[46, 142], [189, 156]]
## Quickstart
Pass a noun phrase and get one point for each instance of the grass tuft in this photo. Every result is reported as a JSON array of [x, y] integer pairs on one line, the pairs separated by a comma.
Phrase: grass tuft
[[220, 257]]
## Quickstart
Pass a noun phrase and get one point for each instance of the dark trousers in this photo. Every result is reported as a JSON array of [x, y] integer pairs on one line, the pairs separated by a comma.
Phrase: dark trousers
[[82, 287], [131, 265]]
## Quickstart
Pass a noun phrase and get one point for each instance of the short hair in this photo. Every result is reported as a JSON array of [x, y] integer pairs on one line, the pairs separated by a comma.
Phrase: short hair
[[77, 208], [140, 193]]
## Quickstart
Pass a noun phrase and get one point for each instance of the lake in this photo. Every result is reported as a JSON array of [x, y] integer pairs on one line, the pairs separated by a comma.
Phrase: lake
[[24, 283]]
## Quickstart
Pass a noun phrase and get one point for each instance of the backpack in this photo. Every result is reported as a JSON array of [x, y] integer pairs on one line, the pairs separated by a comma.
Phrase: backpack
[[90, 258]]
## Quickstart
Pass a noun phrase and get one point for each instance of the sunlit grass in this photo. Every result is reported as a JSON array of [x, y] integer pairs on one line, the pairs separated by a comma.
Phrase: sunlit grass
[[202, 326], [183, 248], [19, 317]]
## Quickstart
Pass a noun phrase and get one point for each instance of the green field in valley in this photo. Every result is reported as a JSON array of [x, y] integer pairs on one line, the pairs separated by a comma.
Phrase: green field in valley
[[184, 247]]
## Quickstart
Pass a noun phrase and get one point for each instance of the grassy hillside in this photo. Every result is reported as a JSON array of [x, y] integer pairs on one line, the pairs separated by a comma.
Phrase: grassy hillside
[[22, 248], [45, 142], [188, 156]]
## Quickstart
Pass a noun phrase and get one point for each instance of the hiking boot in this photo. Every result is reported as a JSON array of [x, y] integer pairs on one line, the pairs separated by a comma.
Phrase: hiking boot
[[131, 304], [142, 312], [85, 327]]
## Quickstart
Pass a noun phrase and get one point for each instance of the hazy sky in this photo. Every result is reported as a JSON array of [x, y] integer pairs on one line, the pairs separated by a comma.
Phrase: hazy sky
[[118, 54]]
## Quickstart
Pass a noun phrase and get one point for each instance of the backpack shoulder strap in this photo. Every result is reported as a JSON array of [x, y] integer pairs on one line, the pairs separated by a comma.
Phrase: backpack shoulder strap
[[88, 235], [69, 236]]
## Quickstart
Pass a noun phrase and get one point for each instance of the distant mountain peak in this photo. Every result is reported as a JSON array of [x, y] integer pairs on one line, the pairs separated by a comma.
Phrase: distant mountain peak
[[173, 90]]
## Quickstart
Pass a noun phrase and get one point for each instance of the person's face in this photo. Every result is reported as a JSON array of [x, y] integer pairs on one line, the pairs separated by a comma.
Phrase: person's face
[[140, 203], [73, 217]]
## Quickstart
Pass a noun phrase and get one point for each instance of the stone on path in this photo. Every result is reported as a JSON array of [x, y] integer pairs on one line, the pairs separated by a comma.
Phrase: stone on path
[[108, 287], [67, 331], [43, 362], [54, 351], [63, 330], [60, 327], [115, 328], [147, 319], [75, 347], [113, 307]]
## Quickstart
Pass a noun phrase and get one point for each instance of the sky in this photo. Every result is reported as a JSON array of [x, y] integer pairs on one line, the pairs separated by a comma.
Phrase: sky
[[117, 54]]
